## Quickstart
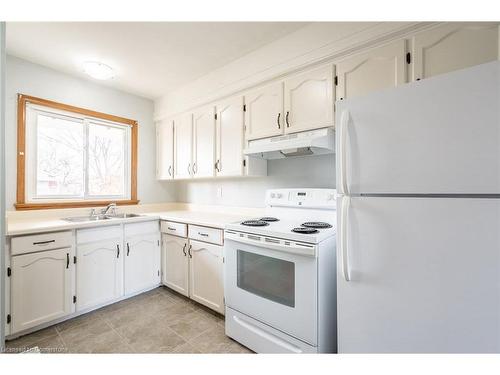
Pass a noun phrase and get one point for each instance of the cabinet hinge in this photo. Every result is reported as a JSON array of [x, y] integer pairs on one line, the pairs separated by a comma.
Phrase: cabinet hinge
[[244, 162], [215, 116], [74, 299], [9, 272], [74, 260], [244, 107], [408, 58], [336, 80], [9, 318]]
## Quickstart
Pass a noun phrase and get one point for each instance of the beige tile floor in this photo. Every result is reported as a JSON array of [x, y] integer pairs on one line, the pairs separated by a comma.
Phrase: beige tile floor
[[159, 321]]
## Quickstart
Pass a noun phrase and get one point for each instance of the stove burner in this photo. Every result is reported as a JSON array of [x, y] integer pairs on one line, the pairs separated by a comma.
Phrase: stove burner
[[269, 219], [254, 223], [305, 230], [316, 225]]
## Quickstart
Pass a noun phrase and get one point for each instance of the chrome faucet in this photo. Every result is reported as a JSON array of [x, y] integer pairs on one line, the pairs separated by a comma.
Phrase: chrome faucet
[[111, 206]]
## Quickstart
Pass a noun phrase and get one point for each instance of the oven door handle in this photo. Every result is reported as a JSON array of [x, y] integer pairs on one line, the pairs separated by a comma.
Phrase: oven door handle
[[298, 248]]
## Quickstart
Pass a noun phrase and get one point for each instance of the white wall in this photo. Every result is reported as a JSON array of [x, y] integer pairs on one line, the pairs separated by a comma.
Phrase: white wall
[[31, 79], [300, 172]]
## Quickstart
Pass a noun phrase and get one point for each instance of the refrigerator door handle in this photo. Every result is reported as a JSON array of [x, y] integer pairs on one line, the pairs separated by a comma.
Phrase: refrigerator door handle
[[344, 121], [343, 237]]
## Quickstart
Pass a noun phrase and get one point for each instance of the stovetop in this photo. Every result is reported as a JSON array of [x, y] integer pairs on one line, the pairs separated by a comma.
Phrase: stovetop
[[291, 229]]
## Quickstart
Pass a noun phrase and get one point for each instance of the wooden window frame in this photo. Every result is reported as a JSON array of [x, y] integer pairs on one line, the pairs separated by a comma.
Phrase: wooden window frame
[[21, 204]]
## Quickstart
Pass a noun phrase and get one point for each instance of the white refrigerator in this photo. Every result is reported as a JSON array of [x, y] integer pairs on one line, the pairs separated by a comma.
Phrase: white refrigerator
[[418, 235]]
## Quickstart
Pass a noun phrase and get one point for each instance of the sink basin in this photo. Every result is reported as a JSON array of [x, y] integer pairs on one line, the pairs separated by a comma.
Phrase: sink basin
[[77, 219], [123, 216]]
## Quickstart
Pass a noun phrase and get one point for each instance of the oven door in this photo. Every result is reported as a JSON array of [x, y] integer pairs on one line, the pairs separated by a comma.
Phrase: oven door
[[276, 287]]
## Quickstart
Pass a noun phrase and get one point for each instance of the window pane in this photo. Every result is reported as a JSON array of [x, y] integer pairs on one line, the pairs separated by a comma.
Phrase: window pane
[[106, 145], [60, 156], [267, 277]]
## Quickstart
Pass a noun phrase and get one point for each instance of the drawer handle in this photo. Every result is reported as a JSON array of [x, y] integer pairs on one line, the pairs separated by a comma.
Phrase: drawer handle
[[43, 242], [184, 249], [67, 260], [128, 249], [203, 234], [189, 251], [170, 228], [117, 251]]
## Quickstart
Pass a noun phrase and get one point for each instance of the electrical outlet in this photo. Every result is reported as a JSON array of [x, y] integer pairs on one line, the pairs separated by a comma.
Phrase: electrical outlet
[[219, 192]]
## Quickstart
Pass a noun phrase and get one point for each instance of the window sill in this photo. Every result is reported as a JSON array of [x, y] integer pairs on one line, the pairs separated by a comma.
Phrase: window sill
[[76, 204]]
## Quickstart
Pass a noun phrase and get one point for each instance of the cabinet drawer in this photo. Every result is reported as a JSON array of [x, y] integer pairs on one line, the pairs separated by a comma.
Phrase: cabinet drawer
[[98, 234], [38, 242], [171, 227], [206, 234], [145, 227]]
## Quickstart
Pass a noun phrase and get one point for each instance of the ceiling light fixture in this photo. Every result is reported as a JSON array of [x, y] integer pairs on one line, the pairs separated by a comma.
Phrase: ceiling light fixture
[[98, 70]]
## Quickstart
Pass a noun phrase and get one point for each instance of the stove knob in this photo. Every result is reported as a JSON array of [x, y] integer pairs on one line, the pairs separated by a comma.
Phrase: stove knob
[[279, 195], [273, 195]]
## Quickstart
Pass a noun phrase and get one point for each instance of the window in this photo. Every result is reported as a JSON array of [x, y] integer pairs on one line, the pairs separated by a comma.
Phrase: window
[[72, 157]]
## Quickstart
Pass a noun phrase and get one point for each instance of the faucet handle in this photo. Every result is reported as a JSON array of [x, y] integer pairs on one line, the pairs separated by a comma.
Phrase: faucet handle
[[92, 212]]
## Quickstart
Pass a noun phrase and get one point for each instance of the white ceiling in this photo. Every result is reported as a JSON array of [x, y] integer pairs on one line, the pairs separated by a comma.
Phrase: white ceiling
[[150, 58]]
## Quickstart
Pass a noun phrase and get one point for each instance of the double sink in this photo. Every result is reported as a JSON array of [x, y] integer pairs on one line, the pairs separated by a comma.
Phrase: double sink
[[100, 217]]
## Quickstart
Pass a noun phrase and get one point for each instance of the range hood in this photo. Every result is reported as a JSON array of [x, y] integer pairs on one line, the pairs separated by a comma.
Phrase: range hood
[[312, 142]]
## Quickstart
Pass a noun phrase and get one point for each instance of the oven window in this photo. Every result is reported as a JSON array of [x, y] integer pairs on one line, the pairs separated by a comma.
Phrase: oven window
[[270, 278]]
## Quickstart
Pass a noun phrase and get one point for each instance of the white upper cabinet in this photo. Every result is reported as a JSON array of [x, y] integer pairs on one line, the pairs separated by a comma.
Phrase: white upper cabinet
[[175, 263], [309, 100], [377, 69], [41, 287], [203, 142], [205, 271], [183, 141], [99, 278], [229, 137], [264, 112], [165, 150], [454, 46]]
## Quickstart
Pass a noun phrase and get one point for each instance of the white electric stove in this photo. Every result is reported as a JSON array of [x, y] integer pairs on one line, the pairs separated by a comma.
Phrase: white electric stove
[[280, 274]]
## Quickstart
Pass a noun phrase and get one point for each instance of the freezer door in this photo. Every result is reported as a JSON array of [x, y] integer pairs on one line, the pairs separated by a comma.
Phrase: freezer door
[[439, 135], [424, 275]]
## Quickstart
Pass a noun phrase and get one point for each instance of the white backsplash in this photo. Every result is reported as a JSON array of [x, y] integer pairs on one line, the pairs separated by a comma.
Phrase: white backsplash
[[301, 172]]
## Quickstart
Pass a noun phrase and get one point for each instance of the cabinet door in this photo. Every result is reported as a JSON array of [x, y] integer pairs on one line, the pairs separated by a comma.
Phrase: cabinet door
[[41, 287], [206, 277], [309, 100], [204, 142], [264, 112], [99, 277], [175, 263], [454, 46], [377, 69], [183, 140], [142, 262], [165, 150], [229, 137]]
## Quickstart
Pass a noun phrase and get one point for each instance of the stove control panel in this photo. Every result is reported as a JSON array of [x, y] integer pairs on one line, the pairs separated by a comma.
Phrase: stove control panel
[[307, 198]]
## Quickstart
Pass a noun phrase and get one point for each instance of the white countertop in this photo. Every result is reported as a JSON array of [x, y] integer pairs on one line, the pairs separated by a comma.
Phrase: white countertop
[[208, 219], [39, 224]]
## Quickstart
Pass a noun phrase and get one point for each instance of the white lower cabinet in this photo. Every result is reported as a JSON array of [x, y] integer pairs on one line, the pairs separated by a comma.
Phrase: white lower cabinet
[[175, 263], [41, 287], [205, 274], [195, 268], [142, 258], [99, 276]]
